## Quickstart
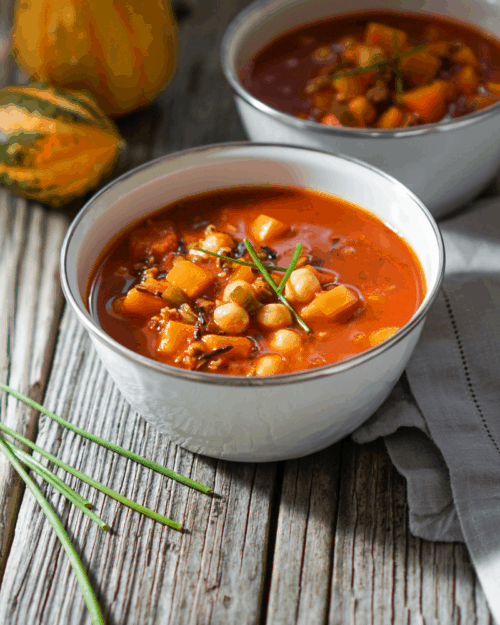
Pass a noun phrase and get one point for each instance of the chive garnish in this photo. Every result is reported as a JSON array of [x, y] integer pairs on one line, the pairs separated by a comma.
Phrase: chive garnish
[[49, 477], [398, 78], [264, 271], [238, 261], [291, 267], [104, 443], [81, 575], [378, 64]]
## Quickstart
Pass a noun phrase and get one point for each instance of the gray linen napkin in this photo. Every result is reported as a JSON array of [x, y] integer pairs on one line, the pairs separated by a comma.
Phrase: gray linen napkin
[[441, 424]]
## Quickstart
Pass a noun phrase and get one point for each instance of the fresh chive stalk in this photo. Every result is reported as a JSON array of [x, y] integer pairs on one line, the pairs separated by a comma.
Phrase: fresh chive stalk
[[263, 270], [378, 64], [104, 443], [398, 78], [81, 575], [240, 262], [89, 480], [293, 264], [46, 475]]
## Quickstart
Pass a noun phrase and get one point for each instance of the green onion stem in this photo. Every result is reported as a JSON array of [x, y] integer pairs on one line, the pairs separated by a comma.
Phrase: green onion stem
[[85, 478], [104, 443], [81, 575], [263, 270], [240, 262], [379, 64], [58, 484], [291, 267], [398, 79]]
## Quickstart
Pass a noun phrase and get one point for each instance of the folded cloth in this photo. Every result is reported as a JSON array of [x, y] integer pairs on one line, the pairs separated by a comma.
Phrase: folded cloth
[[441, 424]]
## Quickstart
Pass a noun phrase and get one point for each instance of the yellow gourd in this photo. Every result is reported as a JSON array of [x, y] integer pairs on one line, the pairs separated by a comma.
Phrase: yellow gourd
[[123, 51], [55, 144]]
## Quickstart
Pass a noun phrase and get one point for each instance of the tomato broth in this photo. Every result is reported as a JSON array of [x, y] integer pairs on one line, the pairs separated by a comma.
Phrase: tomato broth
[[356, 282]]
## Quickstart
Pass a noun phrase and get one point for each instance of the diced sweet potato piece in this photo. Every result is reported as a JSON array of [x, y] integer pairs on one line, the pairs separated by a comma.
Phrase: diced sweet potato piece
[[493, 87], [189, 277], [385, 36], [378, 336], [465, 56], [467, 80], [174, 337], [348, 87], [428, 101], [330, 120], [420, 68], [241, 345], [141, 304], [363, 109], [392, 118], [243, 273], [368, 55], [265, 228], [330, 304]]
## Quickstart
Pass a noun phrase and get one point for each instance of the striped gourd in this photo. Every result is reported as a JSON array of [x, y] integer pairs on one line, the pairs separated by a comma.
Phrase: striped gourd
[[55, 144]]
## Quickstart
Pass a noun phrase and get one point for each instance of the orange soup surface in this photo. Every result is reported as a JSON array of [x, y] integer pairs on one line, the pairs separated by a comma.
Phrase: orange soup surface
[[356, 282], [378, 69]]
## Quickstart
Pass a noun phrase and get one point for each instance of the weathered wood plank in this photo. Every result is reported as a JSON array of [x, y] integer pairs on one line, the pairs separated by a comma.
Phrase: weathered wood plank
[[143, 572], [30, 300], [382, 574], [304, 540]]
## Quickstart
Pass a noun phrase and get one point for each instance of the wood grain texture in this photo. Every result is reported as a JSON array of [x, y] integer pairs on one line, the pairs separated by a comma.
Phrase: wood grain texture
[[30, 300]]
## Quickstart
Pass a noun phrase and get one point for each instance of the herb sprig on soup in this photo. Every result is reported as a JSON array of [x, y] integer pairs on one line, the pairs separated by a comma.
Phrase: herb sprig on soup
[[203, 284], [378, 70]]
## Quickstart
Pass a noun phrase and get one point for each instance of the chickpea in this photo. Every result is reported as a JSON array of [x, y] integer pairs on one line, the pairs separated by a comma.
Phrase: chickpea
[[226, 297], [302, 286], [270, 364], [285, 341], [217, 241], [274, 316], [231, 318]]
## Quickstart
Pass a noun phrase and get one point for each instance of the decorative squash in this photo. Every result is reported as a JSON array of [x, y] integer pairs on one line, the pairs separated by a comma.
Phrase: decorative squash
[[123, 51], [55, 144]]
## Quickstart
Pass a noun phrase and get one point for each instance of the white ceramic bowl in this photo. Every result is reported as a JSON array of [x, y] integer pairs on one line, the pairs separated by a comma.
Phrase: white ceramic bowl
[[444, 164], [237, 417]]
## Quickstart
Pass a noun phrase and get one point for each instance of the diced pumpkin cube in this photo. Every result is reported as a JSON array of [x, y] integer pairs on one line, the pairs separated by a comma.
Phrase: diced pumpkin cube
[[493, 87], [141, 304], [465, 56], [243, 273], [392, 118], [420, 67], [385, 37], [467, 80], [242, 346], [174, 337], [378, 336], [363, 109], [368, 55], [428, 101], [189, 277], [330, 304], [330, 120], [265, 228], [348, 87]]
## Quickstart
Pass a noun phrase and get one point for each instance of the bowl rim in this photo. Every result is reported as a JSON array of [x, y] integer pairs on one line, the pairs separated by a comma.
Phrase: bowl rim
[[94, 329], [313, 126]]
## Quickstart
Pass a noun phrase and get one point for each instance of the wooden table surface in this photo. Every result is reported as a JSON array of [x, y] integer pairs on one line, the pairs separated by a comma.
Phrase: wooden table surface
[[323, 539]]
